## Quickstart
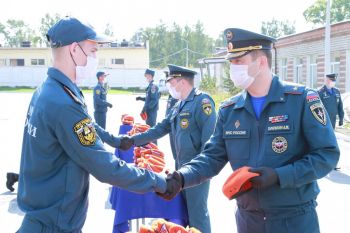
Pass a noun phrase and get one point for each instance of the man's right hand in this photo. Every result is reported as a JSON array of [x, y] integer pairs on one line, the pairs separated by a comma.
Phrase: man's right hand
[[174, 184], [126, 142]]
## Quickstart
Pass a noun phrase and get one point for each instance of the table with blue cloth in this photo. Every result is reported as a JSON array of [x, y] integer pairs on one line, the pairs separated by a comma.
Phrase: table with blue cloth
[[128, 205]]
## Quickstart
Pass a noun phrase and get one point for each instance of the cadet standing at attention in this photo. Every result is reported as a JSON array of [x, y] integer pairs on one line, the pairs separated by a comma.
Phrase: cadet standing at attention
[[60, 145], [190, 122], [100, 100], [151, 100], [331, 99], [280, 130]]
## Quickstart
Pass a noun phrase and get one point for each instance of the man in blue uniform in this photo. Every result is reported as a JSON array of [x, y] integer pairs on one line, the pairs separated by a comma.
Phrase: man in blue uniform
[[190, 122], [170, 104], [280, 130], [331, 99], [151, 100], [60, 145], [100, 100]]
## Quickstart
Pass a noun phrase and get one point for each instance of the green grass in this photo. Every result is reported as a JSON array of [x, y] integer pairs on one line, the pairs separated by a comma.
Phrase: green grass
[[85, 90], [219, 97]]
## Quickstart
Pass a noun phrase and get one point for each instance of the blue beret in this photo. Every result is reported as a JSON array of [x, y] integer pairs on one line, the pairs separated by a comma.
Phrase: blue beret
[[149, 71], [69, 30], [332, 76], [180, 72], [240, 42]]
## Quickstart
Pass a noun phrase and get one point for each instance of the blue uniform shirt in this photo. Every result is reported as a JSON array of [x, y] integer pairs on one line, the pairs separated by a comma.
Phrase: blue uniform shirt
[[152, 98], [333, 103], [190, 125], [258, 103], [293, 135], [100, 98], [60, 149]]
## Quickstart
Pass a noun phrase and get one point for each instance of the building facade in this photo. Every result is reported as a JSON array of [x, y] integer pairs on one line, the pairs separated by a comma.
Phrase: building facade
[[27, 66], [300, 57]]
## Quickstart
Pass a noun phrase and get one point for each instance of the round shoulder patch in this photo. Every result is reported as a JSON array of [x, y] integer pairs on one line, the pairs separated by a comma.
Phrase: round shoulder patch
[[153, 89], [98, 92]]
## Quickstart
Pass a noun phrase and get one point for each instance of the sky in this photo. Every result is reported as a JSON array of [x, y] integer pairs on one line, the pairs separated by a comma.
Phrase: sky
[[127, 16]]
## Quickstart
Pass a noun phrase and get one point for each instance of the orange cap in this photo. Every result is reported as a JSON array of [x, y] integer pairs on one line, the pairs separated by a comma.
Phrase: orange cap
[[144, 116], [238, 182]]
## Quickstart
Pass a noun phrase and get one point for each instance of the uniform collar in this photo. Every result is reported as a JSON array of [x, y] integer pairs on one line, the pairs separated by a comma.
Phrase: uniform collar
[[64, 80], [190, 97], [276, 94]]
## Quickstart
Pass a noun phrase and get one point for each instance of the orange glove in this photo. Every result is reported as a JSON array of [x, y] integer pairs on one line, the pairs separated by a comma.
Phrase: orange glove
[[144, 116], [127, 119], [238, 182]]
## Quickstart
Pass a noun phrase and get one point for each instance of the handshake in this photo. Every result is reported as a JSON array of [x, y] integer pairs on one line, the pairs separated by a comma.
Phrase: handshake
[[174, 184], [126, 142]]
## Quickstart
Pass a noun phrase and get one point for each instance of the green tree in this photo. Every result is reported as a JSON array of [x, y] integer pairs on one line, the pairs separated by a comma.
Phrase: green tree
[[276, 28], [46, 23], [16, 31], [169, 44], [316, 14]]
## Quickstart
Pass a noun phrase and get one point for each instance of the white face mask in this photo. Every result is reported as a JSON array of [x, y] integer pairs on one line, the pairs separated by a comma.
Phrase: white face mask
[[240, 77], [173, 92], [84, 72]]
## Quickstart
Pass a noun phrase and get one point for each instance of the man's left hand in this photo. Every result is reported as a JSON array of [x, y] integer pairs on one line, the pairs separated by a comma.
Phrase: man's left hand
[[126, 142], [268, 177], [341, 123], [174, 184]]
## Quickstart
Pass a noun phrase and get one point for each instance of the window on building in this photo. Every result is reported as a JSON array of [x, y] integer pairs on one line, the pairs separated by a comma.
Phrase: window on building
[[299, 71], [335, 63], [37, 62], [283, 74], [313, 75], [118, 61], [16, 62], [2, 62]]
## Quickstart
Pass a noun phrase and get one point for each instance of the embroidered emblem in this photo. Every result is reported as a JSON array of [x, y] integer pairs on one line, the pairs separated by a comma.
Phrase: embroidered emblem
[[86, 132], [279, 144], [229, 35], [184, 123], [319, 113], [229, 46], [153, 89], [207, 109], [237, 124], [312, 96], [98, 92], [277, 119]]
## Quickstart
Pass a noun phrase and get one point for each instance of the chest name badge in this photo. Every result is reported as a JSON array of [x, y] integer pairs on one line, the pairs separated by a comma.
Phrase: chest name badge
[[279, 144], [86, 132], [277, 119], [235, 132], [319, 113], [184, 123], [278, 128]]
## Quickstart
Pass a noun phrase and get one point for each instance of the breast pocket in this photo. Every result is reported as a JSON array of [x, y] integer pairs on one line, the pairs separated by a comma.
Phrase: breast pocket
[[278, 139], [237, 144]]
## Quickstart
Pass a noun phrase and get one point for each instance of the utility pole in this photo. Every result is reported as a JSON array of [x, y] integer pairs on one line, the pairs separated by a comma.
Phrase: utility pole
[[327, 40], [186, 51]]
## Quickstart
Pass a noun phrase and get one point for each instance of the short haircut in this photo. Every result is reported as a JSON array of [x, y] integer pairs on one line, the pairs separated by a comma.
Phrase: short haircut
[[266, 53]]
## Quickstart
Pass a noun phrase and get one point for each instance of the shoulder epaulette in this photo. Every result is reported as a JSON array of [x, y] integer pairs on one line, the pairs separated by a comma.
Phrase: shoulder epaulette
[[71, 94], [199, 92], [293, 88], [231, 101]]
